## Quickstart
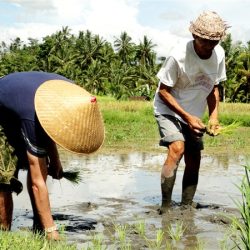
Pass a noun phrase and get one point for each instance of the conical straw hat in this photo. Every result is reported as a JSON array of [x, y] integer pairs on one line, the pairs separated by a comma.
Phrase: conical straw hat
[[209, 26], [70, 116]]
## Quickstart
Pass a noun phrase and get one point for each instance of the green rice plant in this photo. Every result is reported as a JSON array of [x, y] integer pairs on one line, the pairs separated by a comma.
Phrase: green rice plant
[[229, 129], [29, 241], [227, 243], [140, 228], [72, 176], [121, 232], [176, 232], [7, 160], [242, 224], [156, 243], [159, 238], [97, 243], [200, 245], [125, 246]]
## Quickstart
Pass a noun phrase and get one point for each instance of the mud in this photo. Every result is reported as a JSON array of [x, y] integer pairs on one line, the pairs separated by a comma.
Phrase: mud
[[124, 189]]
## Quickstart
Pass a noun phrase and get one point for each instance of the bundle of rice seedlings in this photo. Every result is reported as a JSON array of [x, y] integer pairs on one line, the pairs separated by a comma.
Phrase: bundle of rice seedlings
[[225, 130], [229, 129], [7, 160], [72, 176]]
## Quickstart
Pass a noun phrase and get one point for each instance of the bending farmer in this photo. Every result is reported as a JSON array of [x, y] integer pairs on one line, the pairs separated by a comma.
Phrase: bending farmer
[[37, 111]]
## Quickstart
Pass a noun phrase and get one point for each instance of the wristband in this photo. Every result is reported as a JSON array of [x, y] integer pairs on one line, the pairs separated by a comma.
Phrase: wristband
[[51, 229]]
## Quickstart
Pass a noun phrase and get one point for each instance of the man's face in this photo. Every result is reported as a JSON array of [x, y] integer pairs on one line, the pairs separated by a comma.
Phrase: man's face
[[204, 47], [206, 44]]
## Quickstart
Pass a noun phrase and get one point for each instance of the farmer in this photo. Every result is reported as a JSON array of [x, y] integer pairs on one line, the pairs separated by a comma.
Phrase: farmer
[[38, 110], [188, 82]]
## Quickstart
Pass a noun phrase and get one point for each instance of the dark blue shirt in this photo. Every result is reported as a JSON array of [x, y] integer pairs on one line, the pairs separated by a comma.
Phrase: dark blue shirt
[[17, 111]]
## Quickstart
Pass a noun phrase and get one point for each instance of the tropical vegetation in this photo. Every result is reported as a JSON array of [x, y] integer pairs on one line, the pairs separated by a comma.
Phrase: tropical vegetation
[[122, 70]]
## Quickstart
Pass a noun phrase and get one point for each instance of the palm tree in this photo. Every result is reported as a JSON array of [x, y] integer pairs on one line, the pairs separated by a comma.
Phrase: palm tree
[[124, 47], [145, 54], [236, 88], [242, 92], [88, 48], [56, 54]]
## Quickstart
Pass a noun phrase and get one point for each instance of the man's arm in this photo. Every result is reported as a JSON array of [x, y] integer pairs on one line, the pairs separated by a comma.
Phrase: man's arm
[[213, 103], [213, 100], [38, 175], [193, 122]]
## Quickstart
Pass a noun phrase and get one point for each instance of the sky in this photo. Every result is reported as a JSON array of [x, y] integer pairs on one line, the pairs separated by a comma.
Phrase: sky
[[164, 22]]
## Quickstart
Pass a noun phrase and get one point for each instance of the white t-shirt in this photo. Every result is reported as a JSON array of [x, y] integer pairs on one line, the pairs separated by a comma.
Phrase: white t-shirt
[[191, 79]]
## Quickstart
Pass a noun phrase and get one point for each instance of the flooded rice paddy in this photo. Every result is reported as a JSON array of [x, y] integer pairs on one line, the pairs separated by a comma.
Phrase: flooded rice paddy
[[125, 189]]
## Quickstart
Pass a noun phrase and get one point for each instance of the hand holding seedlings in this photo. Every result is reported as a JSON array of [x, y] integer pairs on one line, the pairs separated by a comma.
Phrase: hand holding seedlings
[[214, 129], [70, 175]]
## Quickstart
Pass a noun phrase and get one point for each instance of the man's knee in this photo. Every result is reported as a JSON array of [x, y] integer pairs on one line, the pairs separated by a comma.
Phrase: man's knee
[[176, 149]]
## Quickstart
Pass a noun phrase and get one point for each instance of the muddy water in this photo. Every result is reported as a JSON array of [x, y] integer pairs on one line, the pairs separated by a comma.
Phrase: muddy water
[[125, 188]]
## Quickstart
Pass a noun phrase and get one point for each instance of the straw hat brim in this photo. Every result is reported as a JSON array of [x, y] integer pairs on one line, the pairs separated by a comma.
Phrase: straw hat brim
[[205, 34], [209, 25], [70, 116]]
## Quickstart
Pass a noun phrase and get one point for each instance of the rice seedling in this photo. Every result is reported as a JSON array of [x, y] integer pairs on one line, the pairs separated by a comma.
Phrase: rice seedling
[[140, 228], [159, 238], [229, 129], [226, 243], [200, 245], [72, 176], [226, 130], [156, 243], [176, 232], [29, 241], [121, 231], [242, 224], [97, 243]]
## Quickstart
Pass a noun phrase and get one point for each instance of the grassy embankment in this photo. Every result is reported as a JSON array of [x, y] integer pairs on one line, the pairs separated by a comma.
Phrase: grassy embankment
[[130, 126]]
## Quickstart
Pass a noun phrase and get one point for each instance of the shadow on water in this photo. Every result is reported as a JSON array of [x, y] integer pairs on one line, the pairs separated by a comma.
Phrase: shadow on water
[[125, 188]]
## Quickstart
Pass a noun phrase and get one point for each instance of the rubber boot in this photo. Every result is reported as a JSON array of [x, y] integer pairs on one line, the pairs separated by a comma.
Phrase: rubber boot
[[188, 195], [167, 184]]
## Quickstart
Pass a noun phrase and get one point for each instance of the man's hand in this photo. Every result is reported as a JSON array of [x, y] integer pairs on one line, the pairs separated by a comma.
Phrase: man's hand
[[196, 125], [55, 171], [213, 127]]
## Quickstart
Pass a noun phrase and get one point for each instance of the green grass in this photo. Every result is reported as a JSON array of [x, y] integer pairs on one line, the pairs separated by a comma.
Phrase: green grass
[[242, 224], [131, 126], [128, 124], [28, 241]]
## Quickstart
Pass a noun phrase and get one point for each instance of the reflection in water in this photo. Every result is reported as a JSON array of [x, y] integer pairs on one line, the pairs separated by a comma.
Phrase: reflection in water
[[136, 176]]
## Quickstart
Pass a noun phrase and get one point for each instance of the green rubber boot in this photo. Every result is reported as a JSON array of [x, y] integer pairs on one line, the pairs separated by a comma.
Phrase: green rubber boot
[[188, 195], [167, 185]]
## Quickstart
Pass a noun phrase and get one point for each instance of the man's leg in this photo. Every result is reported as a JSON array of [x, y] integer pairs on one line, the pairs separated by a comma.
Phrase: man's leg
[[6, 210], [169, 169], [191, 176]]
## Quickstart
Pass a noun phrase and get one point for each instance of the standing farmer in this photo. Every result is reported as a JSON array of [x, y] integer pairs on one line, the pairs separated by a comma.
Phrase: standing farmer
[[38, 110], [188, 82]]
